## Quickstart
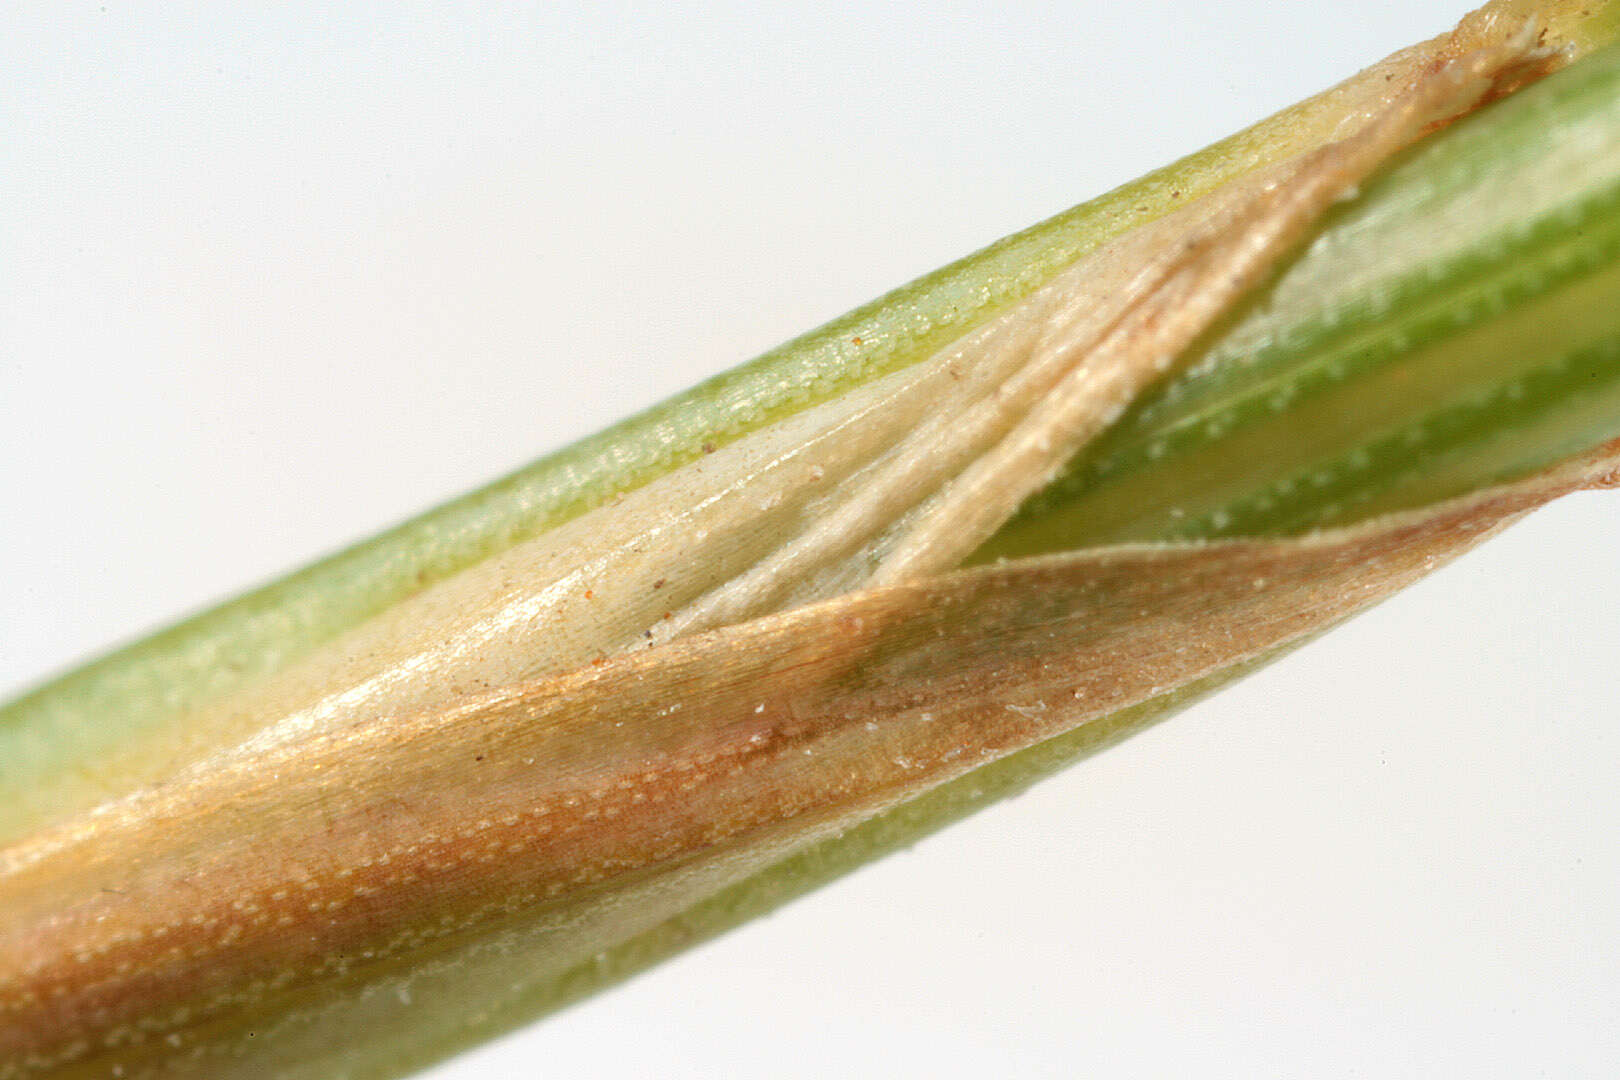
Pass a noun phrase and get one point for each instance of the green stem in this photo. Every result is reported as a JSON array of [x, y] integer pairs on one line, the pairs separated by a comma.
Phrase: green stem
[[1425, 374], [1457, 324]]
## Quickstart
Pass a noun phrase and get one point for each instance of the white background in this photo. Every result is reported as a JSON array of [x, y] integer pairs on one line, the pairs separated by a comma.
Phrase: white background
[[275, 279]]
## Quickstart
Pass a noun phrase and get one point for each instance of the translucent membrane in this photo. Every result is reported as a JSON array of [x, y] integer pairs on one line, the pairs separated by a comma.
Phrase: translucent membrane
[[1457, 325]]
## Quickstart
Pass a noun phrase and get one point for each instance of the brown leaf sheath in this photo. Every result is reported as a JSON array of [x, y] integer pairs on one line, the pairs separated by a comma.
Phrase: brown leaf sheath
[[258, 892], [801, 510]]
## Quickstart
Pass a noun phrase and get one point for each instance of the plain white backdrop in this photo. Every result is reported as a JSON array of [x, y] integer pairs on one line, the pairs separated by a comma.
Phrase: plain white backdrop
[[277, 278]]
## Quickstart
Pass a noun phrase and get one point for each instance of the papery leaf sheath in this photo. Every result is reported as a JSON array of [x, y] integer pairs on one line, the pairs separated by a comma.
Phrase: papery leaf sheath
[[123, 719], [465, 862]]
